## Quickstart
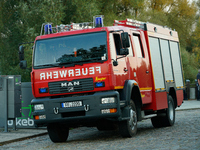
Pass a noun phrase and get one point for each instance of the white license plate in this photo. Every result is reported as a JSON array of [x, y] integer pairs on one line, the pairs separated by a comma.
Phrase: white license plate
[[72, 104]]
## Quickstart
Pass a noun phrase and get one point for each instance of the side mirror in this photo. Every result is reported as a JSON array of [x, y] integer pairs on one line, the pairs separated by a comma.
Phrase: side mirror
[[115, 63], [21, 53], [125, 39], [124, 51], [23, 64]]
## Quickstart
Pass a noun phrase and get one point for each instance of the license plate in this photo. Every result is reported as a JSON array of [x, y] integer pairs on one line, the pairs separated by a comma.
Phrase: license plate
[[72, 104]]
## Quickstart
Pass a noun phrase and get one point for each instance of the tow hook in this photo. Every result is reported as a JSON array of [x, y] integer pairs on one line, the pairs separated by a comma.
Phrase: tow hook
[[56, 110], [86, 107]]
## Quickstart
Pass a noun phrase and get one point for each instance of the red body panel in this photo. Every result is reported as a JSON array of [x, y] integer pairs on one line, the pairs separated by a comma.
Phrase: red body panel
[[161, 100], [179, 95]]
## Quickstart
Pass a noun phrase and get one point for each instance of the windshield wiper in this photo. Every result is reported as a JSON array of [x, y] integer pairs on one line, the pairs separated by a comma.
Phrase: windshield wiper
[[72, 64], [96, 60], [48, 65], [69, 64]]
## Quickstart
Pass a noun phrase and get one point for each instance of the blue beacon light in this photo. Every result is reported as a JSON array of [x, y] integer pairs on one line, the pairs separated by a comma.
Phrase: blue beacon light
[[99, 84], [43, 90], [48, 29], [98, 22]]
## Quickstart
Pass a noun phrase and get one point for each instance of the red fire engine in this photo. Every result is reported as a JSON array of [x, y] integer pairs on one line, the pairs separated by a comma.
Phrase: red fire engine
[[105, 76]]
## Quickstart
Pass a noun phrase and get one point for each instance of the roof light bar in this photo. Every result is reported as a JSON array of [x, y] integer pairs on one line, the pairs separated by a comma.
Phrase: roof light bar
[[48, 29]]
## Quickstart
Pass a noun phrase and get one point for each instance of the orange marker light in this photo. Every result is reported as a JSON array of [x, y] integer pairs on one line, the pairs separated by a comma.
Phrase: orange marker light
[[113, 110], [36, 117]]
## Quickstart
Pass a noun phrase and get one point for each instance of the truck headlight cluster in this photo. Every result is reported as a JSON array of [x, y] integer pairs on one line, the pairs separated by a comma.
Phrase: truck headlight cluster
[[108, 100], [39, 107]]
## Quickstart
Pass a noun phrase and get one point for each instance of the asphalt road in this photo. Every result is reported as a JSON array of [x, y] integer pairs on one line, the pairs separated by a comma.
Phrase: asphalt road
[[184, 135]]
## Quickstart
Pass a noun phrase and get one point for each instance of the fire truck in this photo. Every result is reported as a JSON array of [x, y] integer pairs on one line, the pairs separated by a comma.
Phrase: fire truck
[[105, 77]]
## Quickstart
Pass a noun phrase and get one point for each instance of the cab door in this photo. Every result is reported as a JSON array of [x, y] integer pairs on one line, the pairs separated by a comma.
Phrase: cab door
[[120, 71]]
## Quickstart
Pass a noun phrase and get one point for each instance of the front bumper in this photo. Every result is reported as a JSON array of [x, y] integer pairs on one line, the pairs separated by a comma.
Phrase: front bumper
[[90, 111]]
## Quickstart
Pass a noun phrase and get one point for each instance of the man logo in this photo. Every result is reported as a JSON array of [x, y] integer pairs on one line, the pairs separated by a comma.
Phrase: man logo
[[70, 89], [68, 84]]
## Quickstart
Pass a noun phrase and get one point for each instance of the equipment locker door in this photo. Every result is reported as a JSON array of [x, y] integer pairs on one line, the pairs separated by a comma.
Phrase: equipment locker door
[[143, 72]]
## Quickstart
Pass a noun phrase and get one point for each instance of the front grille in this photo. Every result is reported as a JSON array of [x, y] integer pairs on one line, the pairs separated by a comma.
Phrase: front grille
[[71, 86]]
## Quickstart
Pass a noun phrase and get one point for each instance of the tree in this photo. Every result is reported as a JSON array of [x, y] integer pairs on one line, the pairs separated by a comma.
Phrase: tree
[[10, 36], [161, 5], [182, 18], [190, 66], [85, 10]]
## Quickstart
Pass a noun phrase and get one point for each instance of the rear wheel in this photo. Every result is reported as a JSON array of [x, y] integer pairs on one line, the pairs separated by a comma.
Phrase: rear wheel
[[128, 128], [58, 132], [166, 118]]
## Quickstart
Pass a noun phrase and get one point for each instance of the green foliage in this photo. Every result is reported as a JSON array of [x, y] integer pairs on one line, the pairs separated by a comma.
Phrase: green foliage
[[190, 67], [10, 36], [21, 20]]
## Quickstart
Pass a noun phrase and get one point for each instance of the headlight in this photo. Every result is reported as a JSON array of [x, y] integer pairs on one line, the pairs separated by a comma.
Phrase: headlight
[[39, 107], [108, 100]]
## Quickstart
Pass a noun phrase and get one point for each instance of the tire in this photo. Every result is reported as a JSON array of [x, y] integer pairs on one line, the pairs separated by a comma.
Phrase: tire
[[128, 128], [166, 118], [58, 132]]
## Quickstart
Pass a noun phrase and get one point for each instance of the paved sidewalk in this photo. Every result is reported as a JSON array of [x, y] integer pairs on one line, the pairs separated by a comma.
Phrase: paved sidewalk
[[189, 104], [21, 134]]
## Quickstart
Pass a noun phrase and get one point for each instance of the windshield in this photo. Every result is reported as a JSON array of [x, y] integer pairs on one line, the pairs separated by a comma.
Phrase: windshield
[[70, 49]]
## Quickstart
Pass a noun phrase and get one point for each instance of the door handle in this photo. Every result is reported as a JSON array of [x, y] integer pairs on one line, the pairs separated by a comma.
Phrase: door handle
[[125, 70]]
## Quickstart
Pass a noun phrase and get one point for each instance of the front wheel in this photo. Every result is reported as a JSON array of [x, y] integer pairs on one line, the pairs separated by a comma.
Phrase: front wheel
[[58, 132], [128, 128]]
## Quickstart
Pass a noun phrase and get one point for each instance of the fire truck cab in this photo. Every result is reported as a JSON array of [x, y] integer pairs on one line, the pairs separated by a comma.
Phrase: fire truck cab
[[106, 77]]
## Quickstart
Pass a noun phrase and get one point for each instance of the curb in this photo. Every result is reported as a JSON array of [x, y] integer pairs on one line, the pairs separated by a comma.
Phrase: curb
[[186, 109], [22, 138]]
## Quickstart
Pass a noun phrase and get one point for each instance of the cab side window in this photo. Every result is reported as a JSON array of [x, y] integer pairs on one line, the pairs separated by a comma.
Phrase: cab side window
[[138, 46], [118, 44]]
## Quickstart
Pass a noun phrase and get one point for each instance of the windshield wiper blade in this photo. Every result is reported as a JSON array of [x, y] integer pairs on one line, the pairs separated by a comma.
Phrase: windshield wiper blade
[[48, 65], [69, 64], [96, 60]]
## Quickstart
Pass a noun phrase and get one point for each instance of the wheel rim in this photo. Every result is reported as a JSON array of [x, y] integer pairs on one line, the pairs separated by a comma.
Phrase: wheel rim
[[133, 119], [171, 111]]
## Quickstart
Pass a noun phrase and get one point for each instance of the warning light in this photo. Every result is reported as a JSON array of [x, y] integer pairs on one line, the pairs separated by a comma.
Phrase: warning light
[[43, 90], [48, 29], [99, 84], [98, 21]]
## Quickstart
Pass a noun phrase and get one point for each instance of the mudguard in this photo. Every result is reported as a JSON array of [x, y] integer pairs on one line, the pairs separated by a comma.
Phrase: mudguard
[[126, 97]]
